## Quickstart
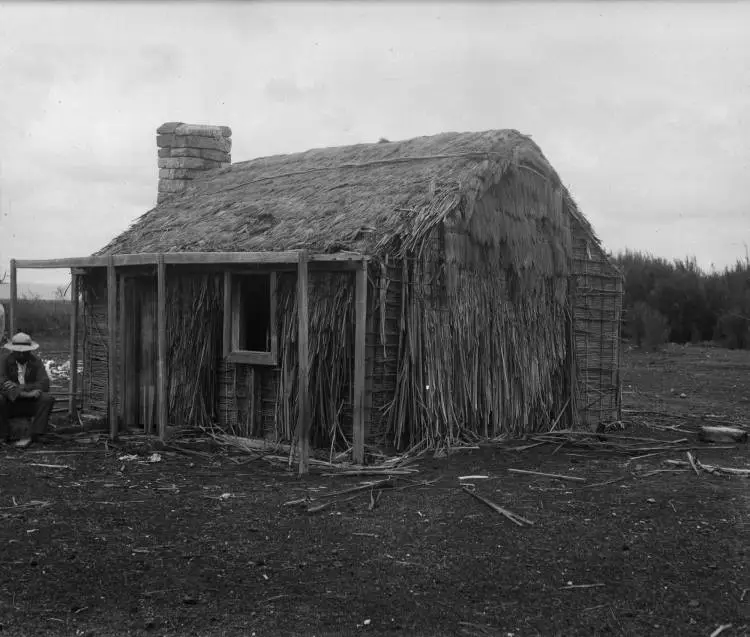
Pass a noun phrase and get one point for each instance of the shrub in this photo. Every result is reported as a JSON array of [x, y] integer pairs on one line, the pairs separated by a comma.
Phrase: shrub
[[40, 316], [733, 331], [649, 326]]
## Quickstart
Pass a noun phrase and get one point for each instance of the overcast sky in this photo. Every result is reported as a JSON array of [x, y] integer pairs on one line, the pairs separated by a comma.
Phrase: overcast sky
[[643, 108]]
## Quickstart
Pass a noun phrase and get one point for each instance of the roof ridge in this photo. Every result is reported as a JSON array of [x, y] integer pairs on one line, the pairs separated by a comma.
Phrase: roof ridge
[[367, 164]]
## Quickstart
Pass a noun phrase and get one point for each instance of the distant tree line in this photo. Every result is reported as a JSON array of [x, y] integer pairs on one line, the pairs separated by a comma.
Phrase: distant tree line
[[676, 301], [40, 317]]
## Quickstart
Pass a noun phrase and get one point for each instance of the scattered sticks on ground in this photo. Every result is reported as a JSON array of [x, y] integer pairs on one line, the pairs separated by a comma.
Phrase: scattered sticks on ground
[[30, 503], [549, 475], [527, 447], [636, 447], [337, 465], [372, 472], [606, 482], [698, 466], [720, 630], [376, 489], [721, 433], [513, 517], [691, 460], [50, 466], [189, 452], [655, 471]]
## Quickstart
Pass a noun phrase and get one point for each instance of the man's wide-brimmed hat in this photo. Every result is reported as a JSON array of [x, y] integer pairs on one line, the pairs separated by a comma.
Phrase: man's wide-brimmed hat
[[21, 343]]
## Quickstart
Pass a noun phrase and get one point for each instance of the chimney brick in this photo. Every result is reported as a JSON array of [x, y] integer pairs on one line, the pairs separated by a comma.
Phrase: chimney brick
[[185, 151]]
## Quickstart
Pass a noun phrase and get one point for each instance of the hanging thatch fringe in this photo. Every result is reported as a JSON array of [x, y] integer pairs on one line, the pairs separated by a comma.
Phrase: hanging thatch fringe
[[194, 312]]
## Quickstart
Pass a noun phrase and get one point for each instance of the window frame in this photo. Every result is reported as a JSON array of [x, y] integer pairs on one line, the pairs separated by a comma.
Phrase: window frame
[[232, 351]]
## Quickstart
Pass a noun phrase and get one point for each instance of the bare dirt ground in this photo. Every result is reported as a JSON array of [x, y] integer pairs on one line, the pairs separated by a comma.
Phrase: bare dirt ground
[[94, 543]]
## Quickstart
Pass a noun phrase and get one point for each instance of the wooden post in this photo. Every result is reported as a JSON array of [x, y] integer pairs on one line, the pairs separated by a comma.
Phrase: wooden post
[[303, 426], [358, 411], [13, 299], [123, 354], [161, 330], [112, 347], [72, 400], [227, 331]]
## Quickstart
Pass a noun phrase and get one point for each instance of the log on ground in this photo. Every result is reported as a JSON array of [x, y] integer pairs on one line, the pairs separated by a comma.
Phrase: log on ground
[[721, 433]]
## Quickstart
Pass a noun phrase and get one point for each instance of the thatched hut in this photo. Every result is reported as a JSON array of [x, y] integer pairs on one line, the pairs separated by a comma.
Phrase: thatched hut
[[394, 293]]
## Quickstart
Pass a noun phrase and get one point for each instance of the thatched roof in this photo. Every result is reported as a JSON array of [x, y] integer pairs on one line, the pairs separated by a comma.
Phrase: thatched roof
[[331, 199]]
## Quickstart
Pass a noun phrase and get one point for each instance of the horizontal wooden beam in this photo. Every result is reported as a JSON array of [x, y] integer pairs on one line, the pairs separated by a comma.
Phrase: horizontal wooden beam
[[252, 358], [336, 256], [193, 258], [77, 262], [267, 268], [178, 258]]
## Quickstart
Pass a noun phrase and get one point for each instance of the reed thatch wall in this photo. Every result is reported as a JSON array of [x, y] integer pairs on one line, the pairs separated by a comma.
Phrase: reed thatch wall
[[458, 345], [194, 329], [485, 337]]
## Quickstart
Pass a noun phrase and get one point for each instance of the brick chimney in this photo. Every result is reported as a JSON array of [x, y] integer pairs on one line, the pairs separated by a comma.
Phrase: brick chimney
[[186, 151]]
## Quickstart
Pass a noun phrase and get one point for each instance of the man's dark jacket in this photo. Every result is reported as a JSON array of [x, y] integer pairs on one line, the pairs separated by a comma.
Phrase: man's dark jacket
[[35, 377]]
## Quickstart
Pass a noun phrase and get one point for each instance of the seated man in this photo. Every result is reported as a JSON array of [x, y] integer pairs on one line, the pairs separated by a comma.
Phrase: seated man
[[24, 388]]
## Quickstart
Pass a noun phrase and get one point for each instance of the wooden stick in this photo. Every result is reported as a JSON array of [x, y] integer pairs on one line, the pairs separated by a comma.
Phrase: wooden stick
[[13, 299], [123, 348], [190, 452], [721, 433], [50, 466], [691, 460], [562, 411], [380, 484], [227, 325], [711, 468], [161, 331], [531, 446], [720, 630], [593, 434], [372, 472], [516, 519], [112, 347], [548, 475], [651, 473], [72, 404], [318, 507], [358, 414], [606, 482], [571, 586], [303, 365]]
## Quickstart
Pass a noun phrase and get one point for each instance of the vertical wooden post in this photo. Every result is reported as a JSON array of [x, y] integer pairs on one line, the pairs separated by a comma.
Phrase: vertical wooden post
[[227, 331], [123, 355], [161, 330], [112, 347], [73, 398], [303, 366], [358, 411], [13, 299]]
